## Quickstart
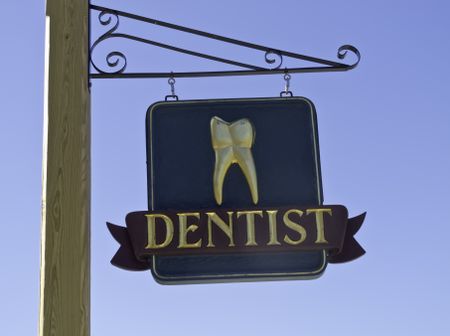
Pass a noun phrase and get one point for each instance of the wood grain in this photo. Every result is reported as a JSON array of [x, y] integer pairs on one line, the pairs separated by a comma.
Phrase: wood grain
[[65, 250]]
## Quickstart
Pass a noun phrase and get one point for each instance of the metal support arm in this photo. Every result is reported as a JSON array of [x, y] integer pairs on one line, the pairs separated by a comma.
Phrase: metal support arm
[[116, 61]]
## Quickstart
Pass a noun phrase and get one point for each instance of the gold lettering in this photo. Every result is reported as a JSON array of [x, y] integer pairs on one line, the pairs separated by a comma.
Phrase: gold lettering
[[226, 228], [250, 217], [273, 227], [184, 230], [294, 226], [320, 223], [151, 236]]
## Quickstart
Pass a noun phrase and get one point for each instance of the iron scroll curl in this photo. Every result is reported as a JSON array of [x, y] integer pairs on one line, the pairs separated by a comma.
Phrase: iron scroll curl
[[272, 56], [342, 53]]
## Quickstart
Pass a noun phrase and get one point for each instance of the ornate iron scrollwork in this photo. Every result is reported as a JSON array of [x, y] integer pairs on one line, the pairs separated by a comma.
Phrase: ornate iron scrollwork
[[113, 58], [116, 61]]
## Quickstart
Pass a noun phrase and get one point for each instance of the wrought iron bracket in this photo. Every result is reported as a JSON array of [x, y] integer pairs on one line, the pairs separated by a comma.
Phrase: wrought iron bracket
[[116, 61]]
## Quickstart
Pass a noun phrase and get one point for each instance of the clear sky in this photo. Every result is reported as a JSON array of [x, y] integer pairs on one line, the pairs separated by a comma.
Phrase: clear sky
[[384, 132]]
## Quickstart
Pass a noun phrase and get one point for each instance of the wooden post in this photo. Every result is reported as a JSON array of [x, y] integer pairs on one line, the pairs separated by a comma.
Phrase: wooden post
[[65, 246]]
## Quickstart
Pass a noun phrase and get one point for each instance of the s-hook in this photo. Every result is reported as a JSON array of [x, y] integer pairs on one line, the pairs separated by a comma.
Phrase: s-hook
[[171, 82], [286, 92]]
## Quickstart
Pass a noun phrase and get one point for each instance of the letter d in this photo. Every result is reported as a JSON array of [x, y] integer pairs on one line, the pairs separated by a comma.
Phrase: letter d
[[151, 223]]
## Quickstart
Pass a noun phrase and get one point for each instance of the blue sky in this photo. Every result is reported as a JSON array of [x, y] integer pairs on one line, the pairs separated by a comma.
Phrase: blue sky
[[384, 132]]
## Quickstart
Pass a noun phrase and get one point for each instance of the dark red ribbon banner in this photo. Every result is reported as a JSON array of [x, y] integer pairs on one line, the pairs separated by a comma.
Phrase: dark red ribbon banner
[[220, 231]]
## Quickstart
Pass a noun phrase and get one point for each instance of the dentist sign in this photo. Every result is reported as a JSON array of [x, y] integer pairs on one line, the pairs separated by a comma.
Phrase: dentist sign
[[234, 194]]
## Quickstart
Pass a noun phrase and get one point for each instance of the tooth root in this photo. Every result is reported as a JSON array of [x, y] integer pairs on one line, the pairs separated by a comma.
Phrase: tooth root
[[224, 159], [244, 158]]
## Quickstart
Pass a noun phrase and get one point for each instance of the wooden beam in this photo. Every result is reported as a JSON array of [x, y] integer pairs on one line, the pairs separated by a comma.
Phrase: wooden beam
[[65, 246]]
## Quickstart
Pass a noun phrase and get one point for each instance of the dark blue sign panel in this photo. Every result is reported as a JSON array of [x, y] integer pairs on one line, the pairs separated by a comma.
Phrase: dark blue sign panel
[[234, 153]]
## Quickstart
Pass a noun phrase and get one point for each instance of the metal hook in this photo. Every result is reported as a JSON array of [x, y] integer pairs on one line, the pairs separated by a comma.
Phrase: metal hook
[[171, 82], [286, 92]]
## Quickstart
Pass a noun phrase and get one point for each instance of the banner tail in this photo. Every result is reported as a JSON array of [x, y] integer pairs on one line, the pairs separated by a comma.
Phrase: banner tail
[[351, 249], [124, 257]]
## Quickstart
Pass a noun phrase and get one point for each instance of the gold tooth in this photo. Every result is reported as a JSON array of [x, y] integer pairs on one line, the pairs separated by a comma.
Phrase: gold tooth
[[232, 143]]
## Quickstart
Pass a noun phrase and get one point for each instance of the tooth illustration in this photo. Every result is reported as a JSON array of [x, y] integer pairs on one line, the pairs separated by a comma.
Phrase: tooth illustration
[[232, 143]]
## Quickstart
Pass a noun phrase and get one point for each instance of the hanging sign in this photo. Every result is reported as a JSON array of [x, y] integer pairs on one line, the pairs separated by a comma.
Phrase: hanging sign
[[235, 194]]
